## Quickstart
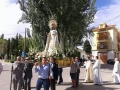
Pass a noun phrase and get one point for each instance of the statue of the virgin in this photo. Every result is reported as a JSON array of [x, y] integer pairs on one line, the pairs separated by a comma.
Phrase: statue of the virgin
[[52, 43]]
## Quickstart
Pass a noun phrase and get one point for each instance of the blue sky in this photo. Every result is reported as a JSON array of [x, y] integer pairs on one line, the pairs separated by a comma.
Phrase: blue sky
[[98, 4], [13, 1], [107, 10], [102, 3]]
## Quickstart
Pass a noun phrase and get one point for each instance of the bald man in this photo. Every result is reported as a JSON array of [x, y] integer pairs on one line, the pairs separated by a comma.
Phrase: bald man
[[116, 71], [17, 74]]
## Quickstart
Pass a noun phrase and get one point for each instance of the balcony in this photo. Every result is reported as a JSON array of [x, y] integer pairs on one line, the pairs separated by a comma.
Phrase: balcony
[[102, 45], [102, 36], [118, 47], [119, 39]]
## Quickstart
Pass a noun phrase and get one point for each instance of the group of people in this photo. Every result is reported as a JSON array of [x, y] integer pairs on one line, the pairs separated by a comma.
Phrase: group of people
[[48, 74], [21, 73], [92, 73]]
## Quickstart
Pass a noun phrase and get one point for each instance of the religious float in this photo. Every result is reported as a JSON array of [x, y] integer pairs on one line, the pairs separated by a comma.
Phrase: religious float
[[52, 48]]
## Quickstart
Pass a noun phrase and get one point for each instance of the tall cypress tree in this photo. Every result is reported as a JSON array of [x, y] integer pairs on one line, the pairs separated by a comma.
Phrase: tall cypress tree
[[87, 47], [8, 48]]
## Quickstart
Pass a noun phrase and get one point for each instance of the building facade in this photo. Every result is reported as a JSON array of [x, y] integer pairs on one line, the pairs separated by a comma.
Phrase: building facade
[[82, 52], [106, 42]]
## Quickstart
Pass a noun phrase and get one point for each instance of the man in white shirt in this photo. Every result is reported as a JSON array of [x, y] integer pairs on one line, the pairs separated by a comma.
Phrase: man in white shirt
[[44, 74], [96, 70], [116, 71]]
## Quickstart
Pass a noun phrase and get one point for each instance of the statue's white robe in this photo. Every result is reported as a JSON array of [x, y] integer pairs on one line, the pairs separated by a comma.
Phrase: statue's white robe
[[116, 72], [96, 70], [52, 43], [89, 72]]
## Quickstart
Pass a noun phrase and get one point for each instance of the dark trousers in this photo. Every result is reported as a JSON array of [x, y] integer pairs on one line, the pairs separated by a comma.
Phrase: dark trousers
[[27, 82], [60, 70], [17, 85], [23, 86], [52, 84], [77, 78], [44, 82]]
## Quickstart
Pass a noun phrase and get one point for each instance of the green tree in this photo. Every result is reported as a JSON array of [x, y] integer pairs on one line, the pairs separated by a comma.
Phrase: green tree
[[2, 36], [8, 48], [87, 47], [73, 17], [16, 45], [12, 47], [3, 47]]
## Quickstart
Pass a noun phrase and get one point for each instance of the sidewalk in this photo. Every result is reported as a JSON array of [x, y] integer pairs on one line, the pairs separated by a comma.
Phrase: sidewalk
[[4, 63], [106, 73]]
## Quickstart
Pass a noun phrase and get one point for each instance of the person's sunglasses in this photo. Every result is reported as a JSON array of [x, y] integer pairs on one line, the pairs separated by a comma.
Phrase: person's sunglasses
[[26, 59]]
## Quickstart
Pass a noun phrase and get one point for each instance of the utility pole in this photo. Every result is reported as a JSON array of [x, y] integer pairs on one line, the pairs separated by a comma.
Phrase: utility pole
[[25, 43]]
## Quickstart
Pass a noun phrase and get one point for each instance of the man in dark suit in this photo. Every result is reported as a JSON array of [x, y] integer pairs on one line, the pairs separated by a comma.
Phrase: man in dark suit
[[17, 74], [54, 67], [60, 70], [28, 74]]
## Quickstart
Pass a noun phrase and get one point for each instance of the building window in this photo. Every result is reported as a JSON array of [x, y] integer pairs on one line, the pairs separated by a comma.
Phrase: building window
[[118, 47], [102, 36], [102, 45]]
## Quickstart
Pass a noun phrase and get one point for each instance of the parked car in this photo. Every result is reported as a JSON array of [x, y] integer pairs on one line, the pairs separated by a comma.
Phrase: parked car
[[110, 61]]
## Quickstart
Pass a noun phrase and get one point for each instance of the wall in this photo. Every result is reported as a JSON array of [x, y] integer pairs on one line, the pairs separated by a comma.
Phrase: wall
[[111, 39], [94, 46], [110, 55], [83, 53], [94, 53], [116, 40]]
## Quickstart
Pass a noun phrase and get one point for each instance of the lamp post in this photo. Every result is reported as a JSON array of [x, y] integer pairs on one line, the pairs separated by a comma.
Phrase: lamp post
[[25, 42], [19, 52]]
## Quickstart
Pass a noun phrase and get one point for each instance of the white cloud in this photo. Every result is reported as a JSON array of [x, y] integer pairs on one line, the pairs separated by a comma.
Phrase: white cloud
[[107, 13], [10, 13]]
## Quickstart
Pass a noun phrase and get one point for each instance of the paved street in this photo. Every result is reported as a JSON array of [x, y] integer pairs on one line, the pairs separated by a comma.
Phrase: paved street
[[106, 72]]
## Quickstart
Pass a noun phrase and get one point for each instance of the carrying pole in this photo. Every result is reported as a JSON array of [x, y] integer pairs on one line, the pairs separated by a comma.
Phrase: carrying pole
[[11, 77]]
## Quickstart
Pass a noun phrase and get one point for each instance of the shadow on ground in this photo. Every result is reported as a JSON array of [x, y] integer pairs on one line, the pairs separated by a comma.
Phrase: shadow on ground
[[107, 66], [65, 84], [109, 83], [81, 79], [88, 87], [33, 87], [91, 87], [6, 70]]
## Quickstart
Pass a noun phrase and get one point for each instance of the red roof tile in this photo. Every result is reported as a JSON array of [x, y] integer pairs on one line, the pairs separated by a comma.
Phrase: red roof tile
[[110, 26]]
